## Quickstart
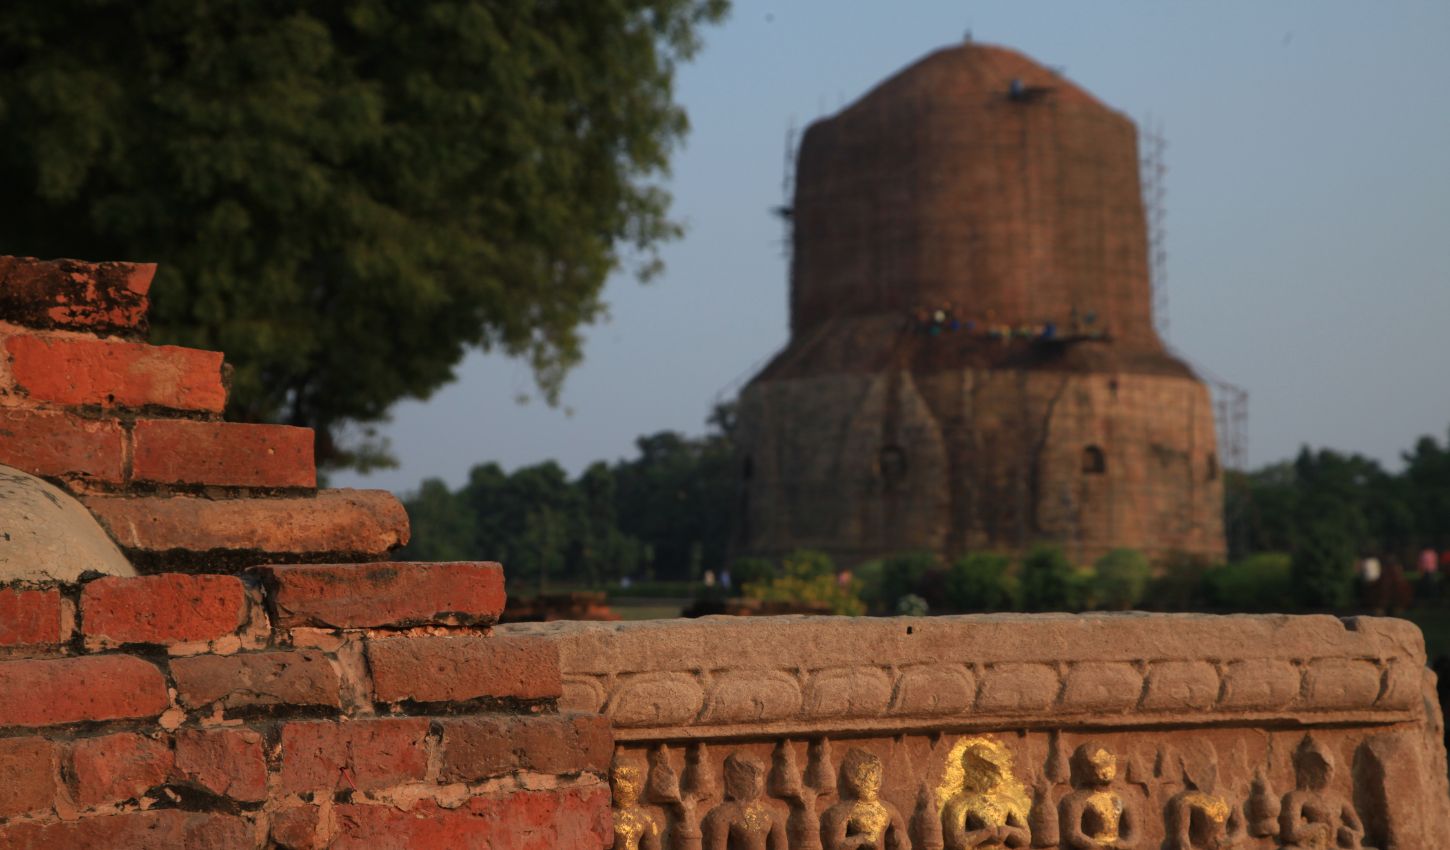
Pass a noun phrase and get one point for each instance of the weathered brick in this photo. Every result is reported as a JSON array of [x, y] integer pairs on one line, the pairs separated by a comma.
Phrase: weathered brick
[[360, 754], [1180, 686], [158, 829], [1102, 687], [1017, 687], [1259, 683], [454, 669], [574, 818], [294, 678], [1340, 683], [227, 762], [48, 692], [95, 297], [476, 748], [108, 373], [27, 775], [119, 767], [59, 445], [163, 609], [334, 523], [233, 454], [295, 828], [385, 595], [29, 617]]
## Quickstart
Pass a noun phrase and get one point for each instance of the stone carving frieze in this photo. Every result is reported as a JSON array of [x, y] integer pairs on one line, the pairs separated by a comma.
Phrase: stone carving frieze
[[1130, 732], [1119, 791]]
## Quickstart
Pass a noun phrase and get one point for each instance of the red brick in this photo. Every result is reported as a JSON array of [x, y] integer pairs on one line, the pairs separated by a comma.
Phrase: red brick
[[96, 297], [386, 595], [294, 678], [59, 445], [577, 819], [454, 669], [29, 617], [171, 608], [296, 828], [27, 775], [158, 829], [359, 524], [232, 454], [476, 748], [119, 767], [227, 762], [108, 373], [49, 692], [360, 754]]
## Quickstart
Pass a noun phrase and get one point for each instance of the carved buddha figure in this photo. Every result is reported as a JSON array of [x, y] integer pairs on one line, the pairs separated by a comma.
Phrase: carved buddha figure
[[862, 820], [1199, 819], [1313, 816], [634, 828], [989, 807], [744, 821], [1094, 816]]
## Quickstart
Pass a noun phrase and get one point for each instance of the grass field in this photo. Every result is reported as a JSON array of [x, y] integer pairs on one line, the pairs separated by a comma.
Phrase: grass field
[[644, 608]]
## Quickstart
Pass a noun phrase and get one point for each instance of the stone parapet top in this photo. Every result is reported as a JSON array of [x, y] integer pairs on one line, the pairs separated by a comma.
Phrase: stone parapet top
[[724, 677]]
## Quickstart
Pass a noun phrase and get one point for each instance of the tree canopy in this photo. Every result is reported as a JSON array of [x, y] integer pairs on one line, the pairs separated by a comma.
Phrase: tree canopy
[[345, 195], [664, 514]]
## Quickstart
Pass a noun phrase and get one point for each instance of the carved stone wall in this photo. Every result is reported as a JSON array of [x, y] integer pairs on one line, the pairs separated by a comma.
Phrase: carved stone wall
[[1165, 731], [983, 459]]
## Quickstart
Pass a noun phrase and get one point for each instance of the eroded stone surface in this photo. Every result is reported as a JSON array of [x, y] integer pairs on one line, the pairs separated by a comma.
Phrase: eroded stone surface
[[825, 673], [1182, 732]]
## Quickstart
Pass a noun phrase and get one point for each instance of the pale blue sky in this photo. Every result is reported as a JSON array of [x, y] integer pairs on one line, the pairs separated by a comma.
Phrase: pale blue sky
[[1308, 217]]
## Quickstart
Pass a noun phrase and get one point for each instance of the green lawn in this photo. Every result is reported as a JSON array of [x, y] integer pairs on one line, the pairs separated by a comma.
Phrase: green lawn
[[648, 609]]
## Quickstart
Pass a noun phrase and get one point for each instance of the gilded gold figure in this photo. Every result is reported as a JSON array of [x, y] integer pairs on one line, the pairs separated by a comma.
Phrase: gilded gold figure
[[1313, 816], [988, 807], [744, 821], [862, 820], [1197, 817], [1198, 821], [1094, 816], [634, 827]]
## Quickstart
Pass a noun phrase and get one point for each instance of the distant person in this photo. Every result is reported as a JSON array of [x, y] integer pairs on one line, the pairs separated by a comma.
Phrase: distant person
[[1369, 570], [725, 578], [709, 578], [1392, 592], [625, 582], [1429, 562]]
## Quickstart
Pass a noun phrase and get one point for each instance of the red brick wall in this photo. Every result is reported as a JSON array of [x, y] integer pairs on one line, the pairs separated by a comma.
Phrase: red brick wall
[[339, 706], [135, 431], [227, 700]]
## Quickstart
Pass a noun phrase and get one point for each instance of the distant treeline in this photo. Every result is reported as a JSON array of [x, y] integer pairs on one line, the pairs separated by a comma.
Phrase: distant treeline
[[665, 514], [1330, 508]]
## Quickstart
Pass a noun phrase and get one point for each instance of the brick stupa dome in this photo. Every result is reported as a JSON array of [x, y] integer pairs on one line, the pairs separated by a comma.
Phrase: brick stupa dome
[[978, 178], [973, 362]]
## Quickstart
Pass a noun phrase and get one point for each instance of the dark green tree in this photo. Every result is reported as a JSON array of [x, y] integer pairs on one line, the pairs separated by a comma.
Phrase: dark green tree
[[1427, 492], [1048, 581], [442, 525], [345, 195], [982, 581], [1120, 579], [678, 495], [1322, 566]]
